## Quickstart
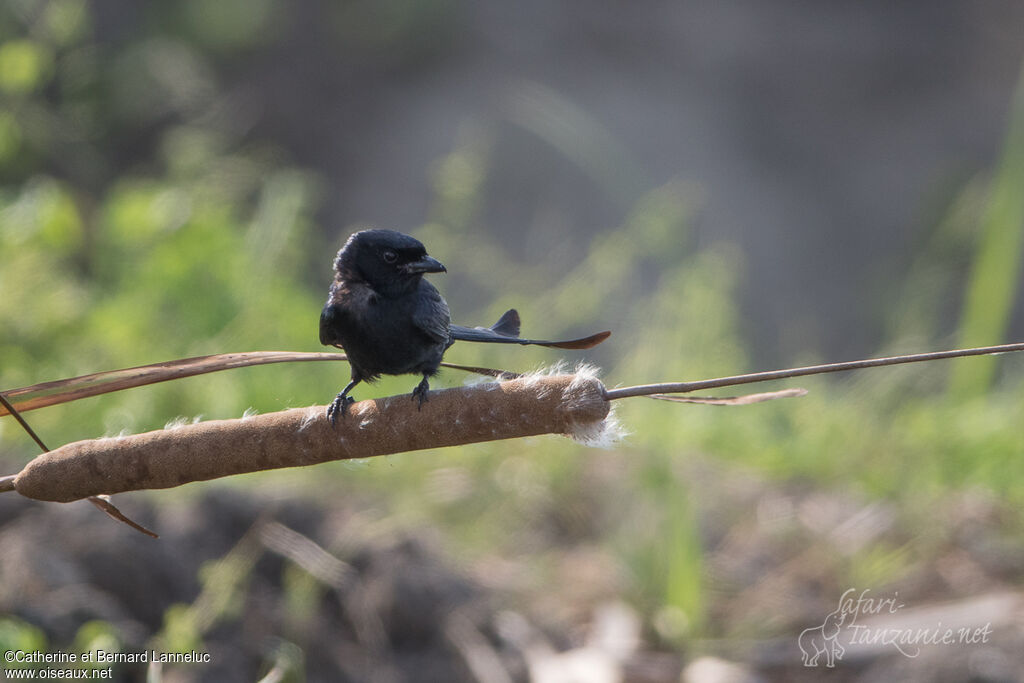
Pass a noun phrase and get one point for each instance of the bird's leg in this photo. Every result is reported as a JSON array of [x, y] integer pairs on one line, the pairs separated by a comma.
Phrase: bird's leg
[[341, 402], [420, 392]]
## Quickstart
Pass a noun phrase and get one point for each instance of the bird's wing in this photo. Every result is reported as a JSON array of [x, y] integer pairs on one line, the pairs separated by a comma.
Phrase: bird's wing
[[431, 314], [328, 320], [344, 299]]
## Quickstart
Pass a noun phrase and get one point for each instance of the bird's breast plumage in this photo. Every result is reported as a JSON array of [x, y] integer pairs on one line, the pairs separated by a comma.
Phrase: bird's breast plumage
[[386, 335]]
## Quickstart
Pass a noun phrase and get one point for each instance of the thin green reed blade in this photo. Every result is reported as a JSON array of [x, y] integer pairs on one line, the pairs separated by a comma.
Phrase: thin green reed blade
[[994, 277]]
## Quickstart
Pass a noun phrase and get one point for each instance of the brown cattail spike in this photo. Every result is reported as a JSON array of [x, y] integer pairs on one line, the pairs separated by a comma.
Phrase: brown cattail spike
[[560, 404]]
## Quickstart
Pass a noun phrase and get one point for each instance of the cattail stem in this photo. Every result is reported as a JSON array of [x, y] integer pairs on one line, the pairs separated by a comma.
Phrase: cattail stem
[[686, 387]]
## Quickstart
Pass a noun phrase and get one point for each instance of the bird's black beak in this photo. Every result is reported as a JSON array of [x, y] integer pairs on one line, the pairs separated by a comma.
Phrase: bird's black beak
[[427, 264]]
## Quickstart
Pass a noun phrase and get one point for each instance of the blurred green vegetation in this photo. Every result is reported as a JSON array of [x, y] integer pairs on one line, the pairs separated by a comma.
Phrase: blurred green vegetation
[[137, 225], [992, 289]]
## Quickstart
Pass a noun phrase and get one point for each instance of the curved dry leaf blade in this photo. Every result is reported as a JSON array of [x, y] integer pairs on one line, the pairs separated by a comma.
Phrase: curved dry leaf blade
[[103, 503], [732, 400], [65, 390], [487, 372], [11, 410], [85, 386]]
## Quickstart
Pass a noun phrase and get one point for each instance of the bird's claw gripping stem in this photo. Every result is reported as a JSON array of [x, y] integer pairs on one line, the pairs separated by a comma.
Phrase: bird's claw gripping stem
[[420, 392], [340, 404]]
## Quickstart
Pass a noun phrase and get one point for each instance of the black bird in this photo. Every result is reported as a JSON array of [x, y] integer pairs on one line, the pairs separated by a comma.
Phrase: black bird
[[390, 321]]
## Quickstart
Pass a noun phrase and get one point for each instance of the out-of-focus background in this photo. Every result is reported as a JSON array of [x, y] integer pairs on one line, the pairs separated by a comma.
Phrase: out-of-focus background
[[727, 185]]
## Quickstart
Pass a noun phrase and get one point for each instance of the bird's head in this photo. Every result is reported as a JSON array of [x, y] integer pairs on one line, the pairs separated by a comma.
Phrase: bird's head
[[386, 260]]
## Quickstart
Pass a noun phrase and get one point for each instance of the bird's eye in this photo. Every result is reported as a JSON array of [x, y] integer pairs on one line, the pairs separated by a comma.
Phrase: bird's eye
[[390, 256]]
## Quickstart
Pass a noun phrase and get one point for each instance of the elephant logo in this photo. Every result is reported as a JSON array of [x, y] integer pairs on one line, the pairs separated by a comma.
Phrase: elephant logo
[[823, 640]]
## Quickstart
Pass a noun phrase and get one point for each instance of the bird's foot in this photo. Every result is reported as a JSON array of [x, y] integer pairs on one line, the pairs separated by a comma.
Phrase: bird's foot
[[420, 392], [340, 404]]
